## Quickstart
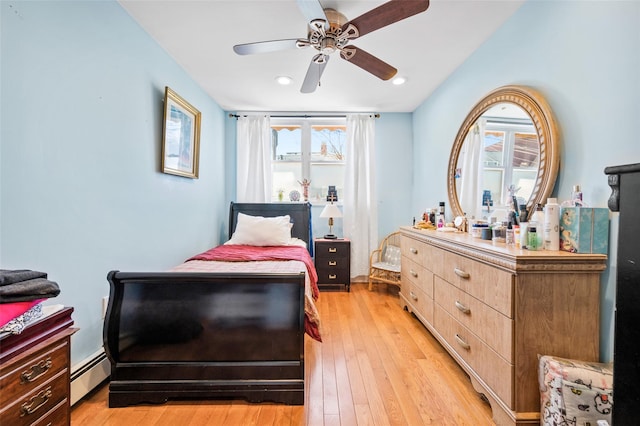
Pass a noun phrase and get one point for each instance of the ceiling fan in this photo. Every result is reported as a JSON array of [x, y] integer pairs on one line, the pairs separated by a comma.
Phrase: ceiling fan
[[329, 31]]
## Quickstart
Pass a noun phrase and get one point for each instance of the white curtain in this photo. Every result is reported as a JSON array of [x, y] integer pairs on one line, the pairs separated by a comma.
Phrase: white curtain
[[360, 210], [253, 176], [471, 180]]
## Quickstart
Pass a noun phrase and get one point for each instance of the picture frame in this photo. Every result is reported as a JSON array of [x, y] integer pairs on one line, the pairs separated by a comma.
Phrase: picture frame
[[180, 136]]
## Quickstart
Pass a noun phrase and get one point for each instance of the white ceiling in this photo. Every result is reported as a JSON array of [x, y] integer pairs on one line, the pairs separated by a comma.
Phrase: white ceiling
[[425, 48]]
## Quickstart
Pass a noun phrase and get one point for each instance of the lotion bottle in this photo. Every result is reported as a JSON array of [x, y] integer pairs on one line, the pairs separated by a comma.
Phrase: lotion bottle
[[538, 218], [552, 225]]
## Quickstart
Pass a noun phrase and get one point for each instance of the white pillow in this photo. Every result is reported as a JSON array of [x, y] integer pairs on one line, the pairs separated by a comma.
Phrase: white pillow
[[262, 231]]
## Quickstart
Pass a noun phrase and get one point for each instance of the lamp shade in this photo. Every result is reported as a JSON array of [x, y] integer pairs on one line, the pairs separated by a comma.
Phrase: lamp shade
[[331, 210]]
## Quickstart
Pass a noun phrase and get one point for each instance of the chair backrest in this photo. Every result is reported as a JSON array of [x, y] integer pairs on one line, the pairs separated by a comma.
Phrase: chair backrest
[[391, 249]]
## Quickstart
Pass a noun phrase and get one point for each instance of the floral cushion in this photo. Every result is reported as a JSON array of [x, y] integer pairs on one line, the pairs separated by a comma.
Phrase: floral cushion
[[574, 393]]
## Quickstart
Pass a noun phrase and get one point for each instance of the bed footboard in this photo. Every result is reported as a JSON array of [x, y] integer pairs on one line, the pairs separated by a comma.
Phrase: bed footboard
[[205, 335]]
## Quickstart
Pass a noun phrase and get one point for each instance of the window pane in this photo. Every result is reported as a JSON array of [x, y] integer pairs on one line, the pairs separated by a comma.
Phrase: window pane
[[526, 150], [492, 181], [323, 176], [327, 143], [493, 148], [286, 143], [285, 178]]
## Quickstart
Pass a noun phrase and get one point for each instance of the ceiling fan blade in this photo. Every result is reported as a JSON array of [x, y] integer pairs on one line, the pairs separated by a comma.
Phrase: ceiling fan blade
[[312, 10], [314, 72], [368, 62], [265, 46], [386, 14]]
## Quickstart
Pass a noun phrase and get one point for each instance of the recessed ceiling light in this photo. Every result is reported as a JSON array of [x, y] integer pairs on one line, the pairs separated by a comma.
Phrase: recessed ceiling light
[[284, 80], [399, 80]]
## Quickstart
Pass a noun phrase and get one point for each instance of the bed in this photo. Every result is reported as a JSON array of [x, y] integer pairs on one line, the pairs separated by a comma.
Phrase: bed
[[228, 323]]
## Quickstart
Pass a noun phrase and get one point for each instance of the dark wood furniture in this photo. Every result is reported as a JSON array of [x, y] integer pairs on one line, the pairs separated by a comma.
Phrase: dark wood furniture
[[625, 198], [332, 260], [35, 372], [209, 335]]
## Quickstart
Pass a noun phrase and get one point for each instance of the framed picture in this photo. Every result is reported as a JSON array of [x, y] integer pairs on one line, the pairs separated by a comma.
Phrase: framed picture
[[180, 136]]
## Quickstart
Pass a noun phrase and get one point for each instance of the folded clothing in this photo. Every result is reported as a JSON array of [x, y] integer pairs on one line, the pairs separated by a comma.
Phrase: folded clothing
[[20, 322], [39, 288], [22, 285], [8, 276]]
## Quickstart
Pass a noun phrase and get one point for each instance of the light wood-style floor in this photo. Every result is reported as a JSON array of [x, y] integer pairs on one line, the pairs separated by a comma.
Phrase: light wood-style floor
[[377, 365]]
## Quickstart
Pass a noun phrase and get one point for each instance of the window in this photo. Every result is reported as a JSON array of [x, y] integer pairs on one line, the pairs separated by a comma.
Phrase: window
[[511, 156], [312, 149]]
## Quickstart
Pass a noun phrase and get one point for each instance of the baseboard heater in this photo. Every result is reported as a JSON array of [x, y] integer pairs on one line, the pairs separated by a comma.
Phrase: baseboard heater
[[88, 374]]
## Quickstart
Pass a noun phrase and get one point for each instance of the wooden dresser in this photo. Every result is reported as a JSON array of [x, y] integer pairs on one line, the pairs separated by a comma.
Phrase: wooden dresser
[[495, 309], [34, 373]]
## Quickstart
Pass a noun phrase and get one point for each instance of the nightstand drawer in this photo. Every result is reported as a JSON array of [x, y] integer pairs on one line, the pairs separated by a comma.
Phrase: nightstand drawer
[[330, 249], [338, 276]]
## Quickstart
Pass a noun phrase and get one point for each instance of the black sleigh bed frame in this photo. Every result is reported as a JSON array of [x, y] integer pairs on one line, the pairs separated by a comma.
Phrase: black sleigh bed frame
[[209, 335]]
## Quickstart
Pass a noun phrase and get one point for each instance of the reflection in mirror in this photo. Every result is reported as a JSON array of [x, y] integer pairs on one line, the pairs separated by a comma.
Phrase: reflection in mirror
[[500, 156], [506, 148]]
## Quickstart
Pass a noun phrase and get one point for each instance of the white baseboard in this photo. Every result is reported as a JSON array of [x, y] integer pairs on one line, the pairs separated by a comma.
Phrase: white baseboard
[[88, 374]]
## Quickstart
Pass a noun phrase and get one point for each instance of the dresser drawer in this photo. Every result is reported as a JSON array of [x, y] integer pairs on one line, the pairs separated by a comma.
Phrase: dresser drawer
[[33, 405], [484, 282], [420, 252], [58, 415], [333, 250], [418, 275], [23, 377], [421, 302], [492, 327], [494, 370]]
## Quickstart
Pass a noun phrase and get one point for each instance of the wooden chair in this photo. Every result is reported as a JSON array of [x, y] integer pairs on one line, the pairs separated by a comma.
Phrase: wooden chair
[[384, 262]]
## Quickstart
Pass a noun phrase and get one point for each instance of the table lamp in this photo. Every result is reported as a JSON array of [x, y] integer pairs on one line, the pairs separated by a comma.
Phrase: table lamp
[[331, 211]]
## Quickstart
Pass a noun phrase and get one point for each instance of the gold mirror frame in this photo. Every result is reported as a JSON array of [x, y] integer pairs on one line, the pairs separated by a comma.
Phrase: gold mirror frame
[[535, 105]]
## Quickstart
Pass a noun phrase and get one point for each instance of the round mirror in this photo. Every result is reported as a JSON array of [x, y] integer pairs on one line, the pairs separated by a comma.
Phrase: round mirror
[[506, 147]]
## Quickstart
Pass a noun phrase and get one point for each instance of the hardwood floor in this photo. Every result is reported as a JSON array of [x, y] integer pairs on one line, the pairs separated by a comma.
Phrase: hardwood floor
[[377, 365]]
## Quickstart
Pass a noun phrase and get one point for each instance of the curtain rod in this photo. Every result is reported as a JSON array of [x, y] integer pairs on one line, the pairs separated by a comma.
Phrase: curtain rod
[[305, 116]]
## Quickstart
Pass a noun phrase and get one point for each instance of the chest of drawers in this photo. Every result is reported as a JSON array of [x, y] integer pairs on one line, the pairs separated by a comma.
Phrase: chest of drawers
[[332, 261], [34, 373], [496, 308]]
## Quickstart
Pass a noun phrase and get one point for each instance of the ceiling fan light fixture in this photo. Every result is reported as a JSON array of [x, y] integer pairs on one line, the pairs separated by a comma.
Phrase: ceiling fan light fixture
[[284, 80], [398, 81]]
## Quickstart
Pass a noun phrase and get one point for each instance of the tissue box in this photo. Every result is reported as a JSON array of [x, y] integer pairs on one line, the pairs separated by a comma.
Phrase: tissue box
[[584, 229]]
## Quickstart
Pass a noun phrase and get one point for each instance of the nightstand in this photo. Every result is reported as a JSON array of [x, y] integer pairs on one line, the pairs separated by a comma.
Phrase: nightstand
[[332, 260]]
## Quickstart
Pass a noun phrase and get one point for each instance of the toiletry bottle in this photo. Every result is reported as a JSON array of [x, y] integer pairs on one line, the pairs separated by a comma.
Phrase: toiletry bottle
[[432, 216], [538, 218], [441, 220], [532, 236], [524, 228], [510, 237], [516, 236], [552, 225]]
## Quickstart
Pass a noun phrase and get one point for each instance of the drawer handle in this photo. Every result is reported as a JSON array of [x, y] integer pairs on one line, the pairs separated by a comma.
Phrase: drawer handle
[[462, 343], [461, 273], [462, 308], [413, 296], [35, 402], [332, 263], [35, 371], [332, 250], [332, 277], [413, 273], [413, 250]]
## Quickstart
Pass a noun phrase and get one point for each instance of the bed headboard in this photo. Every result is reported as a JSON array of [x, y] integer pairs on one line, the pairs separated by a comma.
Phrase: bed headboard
[[300, 214]]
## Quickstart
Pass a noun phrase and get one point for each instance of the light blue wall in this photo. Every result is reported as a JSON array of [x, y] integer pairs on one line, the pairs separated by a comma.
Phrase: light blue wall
[[81, 192], [584, 56]]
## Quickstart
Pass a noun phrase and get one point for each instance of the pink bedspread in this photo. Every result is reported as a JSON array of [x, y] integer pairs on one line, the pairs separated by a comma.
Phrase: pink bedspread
[[279, 259], [242, 253]]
